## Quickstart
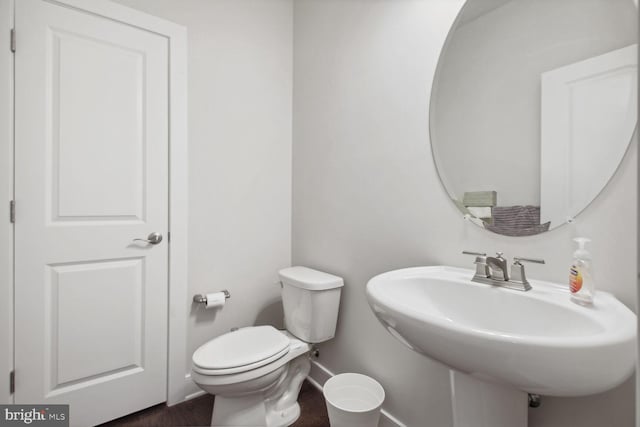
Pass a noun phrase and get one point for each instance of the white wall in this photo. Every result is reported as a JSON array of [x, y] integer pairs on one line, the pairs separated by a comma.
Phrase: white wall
[[367, 198], [240, 89], [490, 78]]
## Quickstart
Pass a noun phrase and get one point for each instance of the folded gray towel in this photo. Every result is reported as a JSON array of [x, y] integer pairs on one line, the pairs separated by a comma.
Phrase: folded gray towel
[[517, 221], [516, 232]]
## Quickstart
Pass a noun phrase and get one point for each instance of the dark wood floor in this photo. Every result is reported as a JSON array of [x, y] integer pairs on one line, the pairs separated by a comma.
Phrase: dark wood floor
[[197, 412]]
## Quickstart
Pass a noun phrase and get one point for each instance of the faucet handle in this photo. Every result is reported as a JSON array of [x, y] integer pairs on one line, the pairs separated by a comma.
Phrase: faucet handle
[[518, 260], [517, 270], [474, 253], [482, 269]]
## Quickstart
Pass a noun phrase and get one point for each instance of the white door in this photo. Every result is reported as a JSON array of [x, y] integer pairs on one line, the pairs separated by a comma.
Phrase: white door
[[589, 113], [91, 147]]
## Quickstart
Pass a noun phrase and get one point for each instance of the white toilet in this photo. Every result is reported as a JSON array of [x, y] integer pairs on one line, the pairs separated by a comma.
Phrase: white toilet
[[256, 372]]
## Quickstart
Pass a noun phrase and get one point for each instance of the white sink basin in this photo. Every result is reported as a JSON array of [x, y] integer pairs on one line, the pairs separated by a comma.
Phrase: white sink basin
[[536, 341]]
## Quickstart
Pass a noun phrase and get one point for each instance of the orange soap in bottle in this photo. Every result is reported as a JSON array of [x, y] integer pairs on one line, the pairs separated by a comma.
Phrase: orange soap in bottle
[[581, 282]]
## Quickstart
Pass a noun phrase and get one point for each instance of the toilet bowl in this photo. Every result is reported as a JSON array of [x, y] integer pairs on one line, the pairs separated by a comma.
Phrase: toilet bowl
[[263, 389], [256, 372]]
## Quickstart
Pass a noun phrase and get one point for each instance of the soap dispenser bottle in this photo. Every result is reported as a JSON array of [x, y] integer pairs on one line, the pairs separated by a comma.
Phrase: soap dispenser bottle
[[581, 281]]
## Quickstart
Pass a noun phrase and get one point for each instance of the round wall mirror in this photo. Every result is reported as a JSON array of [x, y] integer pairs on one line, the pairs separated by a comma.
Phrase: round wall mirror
[[533, 107]]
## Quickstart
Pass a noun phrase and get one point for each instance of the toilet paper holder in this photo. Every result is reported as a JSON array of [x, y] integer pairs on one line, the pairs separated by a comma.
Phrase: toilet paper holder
[[202, 299]]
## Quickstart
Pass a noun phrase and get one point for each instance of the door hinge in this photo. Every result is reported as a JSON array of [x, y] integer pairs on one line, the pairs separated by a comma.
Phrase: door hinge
[[169, 236], [13, 40], [12, 382], [12, 211]]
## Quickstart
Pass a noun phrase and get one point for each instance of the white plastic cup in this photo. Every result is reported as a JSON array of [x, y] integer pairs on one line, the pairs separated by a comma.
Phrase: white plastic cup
[[353, 400]]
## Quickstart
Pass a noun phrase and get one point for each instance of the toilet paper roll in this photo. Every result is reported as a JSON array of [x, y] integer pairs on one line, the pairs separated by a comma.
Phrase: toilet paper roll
[[215, 299]]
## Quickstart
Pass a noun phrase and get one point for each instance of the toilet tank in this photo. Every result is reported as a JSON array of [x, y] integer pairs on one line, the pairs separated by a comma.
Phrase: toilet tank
[[311, 299]]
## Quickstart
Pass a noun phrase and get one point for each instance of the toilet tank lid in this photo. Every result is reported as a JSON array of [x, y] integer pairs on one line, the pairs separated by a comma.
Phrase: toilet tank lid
[[308, 278]]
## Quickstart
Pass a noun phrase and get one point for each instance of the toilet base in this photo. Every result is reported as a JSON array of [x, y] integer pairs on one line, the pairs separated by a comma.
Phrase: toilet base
[[238, 411], [276, 407], [250, 412]]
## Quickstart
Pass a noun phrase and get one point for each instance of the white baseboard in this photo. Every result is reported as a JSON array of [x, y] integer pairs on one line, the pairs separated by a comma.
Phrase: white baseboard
[[191, 389], [320, 374]]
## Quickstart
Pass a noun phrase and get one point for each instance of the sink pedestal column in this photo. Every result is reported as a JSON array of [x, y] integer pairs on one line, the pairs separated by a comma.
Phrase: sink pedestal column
[[478, 403]]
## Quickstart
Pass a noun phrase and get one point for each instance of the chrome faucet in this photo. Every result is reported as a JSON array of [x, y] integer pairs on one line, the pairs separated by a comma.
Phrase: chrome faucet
[[494, 271], [498, 267]]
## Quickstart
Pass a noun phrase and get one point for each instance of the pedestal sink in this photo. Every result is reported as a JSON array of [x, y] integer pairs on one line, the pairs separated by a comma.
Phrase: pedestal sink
[[505, 342]]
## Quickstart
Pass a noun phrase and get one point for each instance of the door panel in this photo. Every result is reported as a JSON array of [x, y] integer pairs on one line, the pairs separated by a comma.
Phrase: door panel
[[106, 343], [109, 78], [91, 175]]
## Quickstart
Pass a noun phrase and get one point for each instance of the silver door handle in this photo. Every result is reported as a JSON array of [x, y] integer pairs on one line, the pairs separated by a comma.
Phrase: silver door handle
[[153, 238]]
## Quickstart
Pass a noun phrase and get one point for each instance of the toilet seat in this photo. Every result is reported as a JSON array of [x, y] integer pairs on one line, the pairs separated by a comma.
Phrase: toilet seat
[[295, 348], [240, 351]]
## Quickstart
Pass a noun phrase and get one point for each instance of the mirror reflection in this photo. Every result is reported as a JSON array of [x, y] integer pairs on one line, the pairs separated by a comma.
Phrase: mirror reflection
[[533, 108]]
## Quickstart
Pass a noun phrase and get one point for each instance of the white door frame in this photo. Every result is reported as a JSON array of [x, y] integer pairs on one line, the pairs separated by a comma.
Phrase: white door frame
[[6, 194], [178, 184]]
